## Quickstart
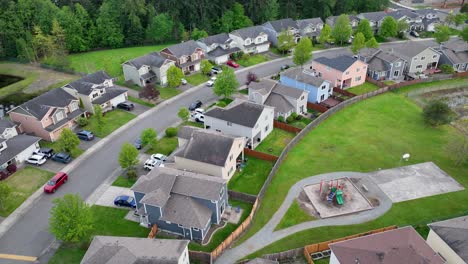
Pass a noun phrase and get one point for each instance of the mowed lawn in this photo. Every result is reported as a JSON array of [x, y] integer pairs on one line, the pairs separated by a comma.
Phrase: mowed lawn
[[368, 136], [363, 88], [293, 216], [112, 120], [250, 180], [251, 60], [23, 183], [275, 142]]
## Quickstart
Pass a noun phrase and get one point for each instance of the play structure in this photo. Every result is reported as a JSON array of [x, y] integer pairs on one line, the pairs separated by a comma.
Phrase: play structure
[[333, 192]]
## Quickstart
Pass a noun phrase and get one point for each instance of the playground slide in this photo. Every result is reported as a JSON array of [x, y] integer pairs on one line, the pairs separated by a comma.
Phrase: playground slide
[[339, 197]]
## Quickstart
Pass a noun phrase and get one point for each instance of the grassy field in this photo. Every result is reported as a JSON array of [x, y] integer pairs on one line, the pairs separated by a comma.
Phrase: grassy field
[[123, 181], [252, 60], [167, 92], [28, 78], [197, 78], [23, 183], [374, 140], [109, 60], [363, 88], [301, 123], [275, 142], [108, 221], [293, 216], [250, 180], [165, 145], [139, 101], [112, 120]]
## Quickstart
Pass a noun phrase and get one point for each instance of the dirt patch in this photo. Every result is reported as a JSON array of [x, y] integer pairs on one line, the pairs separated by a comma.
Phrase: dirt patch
[[306, 205]]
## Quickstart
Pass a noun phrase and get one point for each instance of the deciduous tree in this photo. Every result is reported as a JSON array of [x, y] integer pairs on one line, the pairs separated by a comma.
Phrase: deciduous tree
[[205, 66], [149, 92], [160, 28], [372, 43], [174, 76], [99, 117], [128, 156], [402, 27], [389, 27], [365, 28], [442, 33], [198, 34], [270, 11], [183, 114], [68, 141], [342, 30], [436, 113], [359, 42], [325, 34], [226, 83], [285, 41], [464, 34], [148, 137], [302, 52]]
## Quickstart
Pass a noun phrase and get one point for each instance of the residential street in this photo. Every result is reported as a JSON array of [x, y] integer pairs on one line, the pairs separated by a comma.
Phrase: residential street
[[29, 236]]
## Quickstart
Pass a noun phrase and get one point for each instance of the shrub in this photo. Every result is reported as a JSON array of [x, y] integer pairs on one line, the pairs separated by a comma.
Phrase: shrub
[[290, 119], [298, 117], [82, 121], [280, 118], [436, 113], [132, 174], [171, 131], [245, 56], [294, 115], [447, 68], [221, 104], [237, 55]]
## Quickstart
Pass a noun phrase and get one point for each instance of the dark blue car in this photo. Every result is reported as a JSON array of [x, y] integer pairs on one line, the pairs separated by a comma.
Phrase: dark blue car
[[62, 157], [125, 200], [85, 135], [137, 143]]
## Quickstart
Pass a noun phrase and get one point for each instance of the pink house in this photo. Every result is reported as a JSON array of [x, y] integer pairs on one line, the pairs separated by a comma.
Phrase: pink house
[[342, 71]]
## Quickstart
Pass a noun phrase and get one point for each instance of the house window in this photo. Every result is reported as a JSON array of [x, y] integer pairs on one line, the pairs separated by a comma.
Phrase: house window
[[302, 97], [396, 73], [229, 123], [398, 64], [168, 222], [230, 157], [196, 229], [218, 130], [322, 97], [221, 192], [423, 58], [323, 87], [179, 225], [95, 95], [347, 72], [266, 128], [435, 56], [357, 78], [358, 69], [419, 67], [230, 171], [73, 106], [59, 116]]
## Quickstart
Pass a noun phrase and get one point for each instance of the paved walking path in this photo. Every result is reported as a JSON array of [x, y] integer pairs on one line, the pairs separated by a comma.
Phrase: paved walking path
[[267, 235]]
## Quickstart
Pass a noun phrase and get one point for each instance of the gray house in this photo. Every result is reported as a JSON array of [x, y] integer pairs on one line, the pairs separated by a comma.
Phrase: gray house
[[353, 21], [244, 119], [375, 19], [310, 27], [150, 68], [383, 65], [419, 58], [274, 28], [14, 148], [455, 53], [133, 250], [218, 48], [180, 202], [414, 21], [251, 40]]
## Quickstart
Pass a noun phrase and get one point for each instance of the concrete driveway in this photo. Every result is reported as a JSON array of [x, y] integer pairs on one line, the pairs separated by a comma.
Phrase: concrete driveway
[[107, 198], [139, 109]]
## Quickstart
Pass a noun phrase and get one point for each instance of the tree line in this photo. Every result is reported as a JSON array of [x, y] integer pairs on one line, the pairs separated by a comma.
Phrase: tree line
[[35, 30]]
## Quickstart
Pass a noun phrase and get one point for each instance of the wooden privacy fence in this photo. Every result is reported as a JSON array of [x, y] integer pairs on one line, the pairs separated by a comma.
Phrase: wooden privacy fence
[[343, 92], [154, 230], [375, 82], [317, 107], [259, 155], [319, 247], [286, 127], [244, 197]]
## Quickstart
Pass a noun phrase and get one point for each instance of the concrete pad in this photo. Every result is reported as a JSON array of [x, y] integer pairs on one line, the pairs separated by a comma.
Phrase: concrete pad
[[354, 201], [107, 198], [414, 181]]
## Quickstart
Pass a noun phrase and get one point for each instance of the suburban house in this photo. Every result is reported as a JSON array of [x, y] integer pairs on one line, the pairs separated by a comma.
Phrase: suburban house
[[251, 40], [455, 53], [274, 28], [208, 152], [48, 114], [402, 245], [342, 71], [310, 27], [285, 100], [375, 19], [218, 48], [430, 18], [419, 58], [382, 65], [243, 119], [318, 89], [97, 89], [449, 238], [187, 55], [134, 250], [353, 21], [14, 148], [150, 68], [414, 21], [180, 202]]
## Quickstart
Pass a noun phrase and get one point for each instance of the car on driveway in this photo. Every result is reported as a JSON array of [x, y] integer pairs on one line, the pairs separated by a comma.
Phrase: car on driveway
[[232, 64], [37, 160], [195, 105], [58, 180], [210, 83], [137, 143], [151, 164], [200, 118], [85, 135], [159, 156], [183, 81], [126, 106], [216, 70], [125, 200], [47, 152], [414, 34], [62, 157]]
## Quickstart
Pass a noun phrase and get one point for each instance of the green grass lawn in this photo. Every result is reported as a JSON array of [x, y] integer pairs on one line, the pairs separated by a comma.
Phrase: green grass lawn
[[197, 78], [363, 88], [23, 183], [374, 140], [140, 101], [194, 124], [108, 221], [293, 216], [166, 92], [224, 102], [165, 145], [55, 146], [322, 261], [275, 142], [301, 123], [28, 78], [244, 91], [220, 235], [123, 181], [389, 82], [109, 60], [252, 60], [250, 180], [112, 120]]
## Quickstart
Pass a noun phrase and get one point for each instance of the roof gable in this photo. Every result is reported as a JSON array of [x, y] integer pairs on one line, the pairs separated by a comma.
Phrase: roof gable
[[249, 32], [282, 24], [455, 234], [182, 49], [243, 113], [340, 63]]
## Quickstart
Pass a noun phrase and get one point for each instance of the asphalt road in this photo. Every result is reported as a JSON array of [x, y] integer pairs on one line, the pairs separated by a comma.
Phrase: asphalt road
[[29, 236]]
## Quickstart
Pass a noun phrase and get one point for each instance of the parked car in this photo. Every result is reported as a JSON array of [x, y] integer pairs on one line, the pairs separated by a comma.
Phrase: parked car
[[85, 135], [183, 81], [137, 143], [47, 152], [200, 118], [210, 83], [56, 181], [232, 64], [216, 70], [199, 110], [125, 200], [195, 105], [159, 156], [126, 106], [151, 164], [37, 160], [284, 67], [414, 34], [62, 157]]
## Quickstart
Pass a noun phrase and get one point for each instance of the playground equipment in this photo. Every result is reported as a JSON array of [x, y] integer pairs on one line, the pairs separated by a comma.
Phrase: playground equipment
[[332, 191]]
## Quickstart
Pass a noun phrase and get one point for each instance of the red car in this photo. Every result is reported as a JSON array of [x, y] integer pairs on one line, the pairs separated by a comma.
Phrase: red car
[[232, 64], [57, 181]]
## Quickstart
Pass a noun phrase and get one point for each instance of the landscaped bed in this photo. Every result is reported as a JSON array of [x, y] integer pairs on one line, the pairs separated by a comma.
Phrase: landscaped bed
[[363, 88], [388, 126], [112, 120], [275, 142], [251, 60], [23, 183], [250, 180]]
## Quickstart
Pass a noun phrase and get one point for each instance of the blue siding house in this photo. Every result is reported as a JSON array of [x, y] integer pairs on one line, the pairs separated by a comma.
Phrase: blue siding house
[[180, 202], [318, 88]]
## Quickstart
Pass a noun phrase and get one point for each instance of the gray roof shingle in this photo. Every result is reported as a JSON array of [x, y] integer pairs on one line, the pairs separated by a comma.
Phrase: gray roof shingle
[[288, 91], [282, 24], [185, 132], [152, 59], [305, 77], [85, 84], [183, 49], [221, 38], [15, 146], [400, 13], [244, 113], [279, 103], [264, 86], [220, 51], [409, 49], [186, 211], [341, 63], [374, 16], [455, 234], [303, 23], [111, 93], [132, 250], [5, 123], [249, 32]]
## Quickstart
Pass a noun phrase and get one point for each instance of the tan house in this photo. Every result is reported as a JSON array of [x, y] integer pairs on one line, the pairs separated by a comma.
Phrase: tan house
[[208, 152], [449, 238], [187, 55], [48, 114]]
